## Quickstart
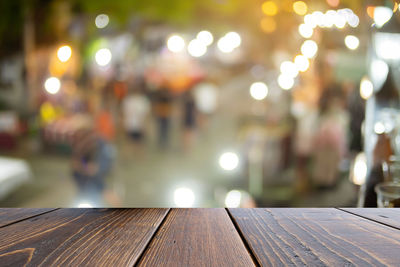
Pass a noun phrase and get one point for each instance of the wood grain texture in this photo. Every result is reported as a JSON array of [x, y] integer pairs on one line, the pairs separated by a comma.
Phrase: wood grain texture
[[197, 237], [11, 215], [317, 237], [80, 237], [388, 216]]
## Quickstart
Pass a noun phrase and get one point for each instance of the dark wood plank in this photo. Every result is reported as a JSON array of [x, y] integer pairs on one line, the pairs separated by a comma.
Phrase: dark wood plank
[[317, 237], [197, 237], [11, 215], [388, 216], [80, 237]]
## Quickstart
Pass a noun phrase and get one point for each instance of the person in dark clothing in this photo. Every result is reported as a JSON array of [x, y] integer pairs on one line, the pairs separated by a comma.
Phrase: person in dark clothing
[[162, 111], [189, 119]]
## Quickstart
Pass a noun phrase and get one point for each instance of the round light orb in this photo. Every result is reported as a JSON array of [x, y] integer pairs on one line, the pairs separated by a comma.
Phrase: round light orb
[[310, 21], [228, 161], [175, 43], [366, 88], [285, 82], [101, 21], [382, 15], [258, 90], [379, 128], [302, 63], [340, 20], [196, 48], [353, 21], [103, 57], [268, 24], [289, 68], [360, 169], [269, 8], [233, 198], [351, 42], [184, 197], [224, 45], [309, 48], [205, 37], [52, 85], [305, 30], [234, 38], [300, 8], [64, 53]]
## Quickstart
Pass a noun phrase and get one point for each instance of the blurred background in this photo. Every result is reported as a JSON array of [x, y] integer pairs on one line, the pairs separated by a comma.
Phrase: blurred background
[[206, 103]]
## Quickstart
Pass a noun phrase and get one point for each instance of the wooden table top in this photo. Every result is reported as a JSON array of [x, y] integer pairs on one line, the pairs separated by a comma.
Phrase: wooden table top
[[200, 237]]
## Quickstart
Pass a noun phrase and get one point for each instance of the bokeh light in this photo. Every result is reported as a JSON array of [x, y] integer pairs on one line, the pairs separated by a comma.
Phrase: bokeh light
[[52, 85], [184, 197], [233, 198], [310, 21], [64, 53], [309, 48], [305, 30], [205, 37], [360, 169], [268, 24], [302, 63], [259, 90], [175, 43], [340, 20], [382, 15], [224, 45], [289, 68], [103, 56], [269, 8], [286, 82], [351, 42], [228, 161], [366, 88], [196, 48], [233, 38], [85, 205], [300, 8], [379, 128], [102, 21]]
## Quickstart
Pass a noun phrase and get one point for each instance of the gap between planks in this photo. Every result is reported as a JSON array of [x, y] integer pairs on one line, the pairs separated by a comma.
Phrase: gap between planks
[[253, 257], [140, 258], [369, 219], [29, 217]]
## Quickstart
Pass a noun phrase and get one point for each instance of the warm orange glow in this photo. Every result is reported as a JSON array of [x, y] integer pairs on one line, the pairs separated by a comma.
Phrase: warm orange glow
[[370, 11], [333, 3], [300, 8], [269, 8], [268, 25]]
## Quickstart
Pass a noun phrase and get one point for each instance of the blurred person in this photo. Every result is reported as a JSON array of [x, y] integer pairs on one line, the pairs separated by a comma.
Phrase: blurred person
[[303, 146], [91, 163], [135, 110], [331, 138], [189, 119], [163, 111], [105, 125], [206, 100]]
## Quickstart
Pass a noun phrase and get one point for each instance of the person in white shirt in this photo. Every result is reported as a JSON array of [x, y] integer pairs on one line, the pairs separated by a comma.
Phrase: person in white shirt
[[135, 110]]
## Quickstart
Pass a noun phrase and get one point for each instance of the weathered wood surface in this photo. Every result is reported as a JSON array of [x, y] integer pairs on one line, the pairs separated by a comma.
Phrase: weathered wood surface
[[390, 217], [200, 237], [197, 237], [317, 237], [8, 216], [80, 237]]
